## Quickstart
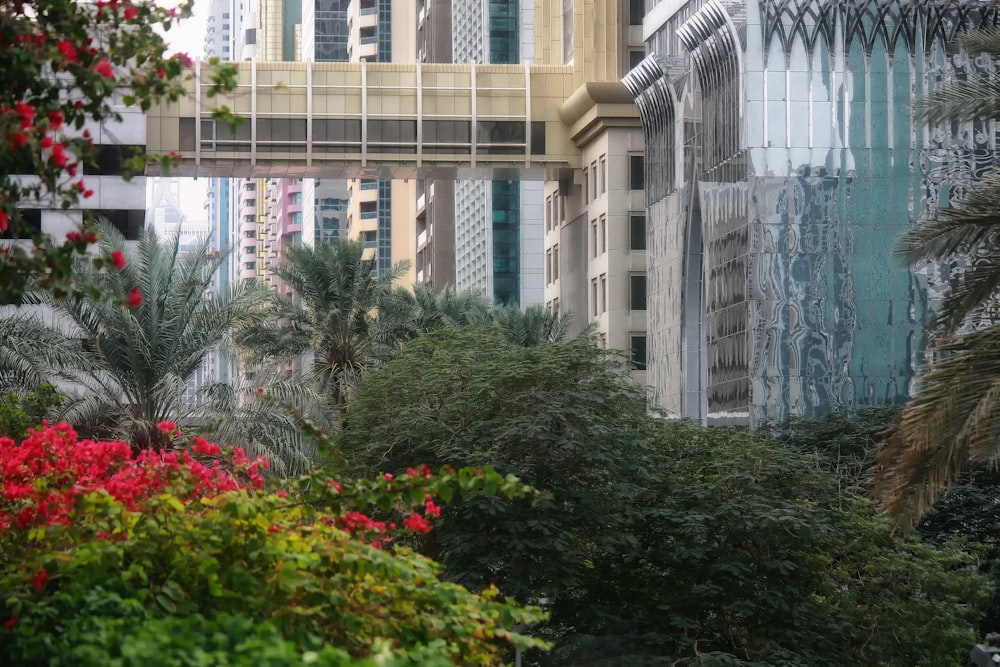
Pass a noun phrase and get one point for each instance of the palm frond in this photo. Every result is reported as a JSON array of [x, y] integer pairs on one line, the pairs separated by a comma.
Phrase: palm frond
[[258, 417], [953, 418]]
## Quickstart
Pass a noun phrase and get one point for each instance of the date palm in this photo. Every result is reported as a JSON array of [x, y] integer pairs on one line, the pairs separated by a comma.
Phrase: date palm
[[127, 368], [422, 311], [336, 314], [954, 416]]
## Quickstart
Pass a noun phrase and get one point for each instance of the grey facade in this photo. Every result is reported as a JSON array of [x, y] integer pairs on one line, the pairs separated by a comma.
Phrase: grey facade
[[783, 161]]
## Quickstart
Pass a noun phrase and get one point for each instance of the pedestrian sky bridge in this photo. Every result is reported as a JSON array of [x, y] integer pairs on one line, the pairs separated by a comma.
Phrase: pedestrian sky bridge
[[383, 120]]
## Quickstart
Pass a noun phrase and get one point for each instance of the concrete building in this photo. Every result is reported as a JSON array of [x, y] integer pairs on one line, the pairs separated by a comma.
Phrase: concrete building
[[381, 211], [498, 224], [435, 206], [477, 233], [595, 255], [779, 154]]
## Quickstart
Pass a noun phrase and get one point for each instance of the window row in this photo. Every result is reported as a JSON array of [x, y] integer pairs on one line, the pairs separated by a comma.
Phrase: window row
[[552, 264], [555, 211], [599, 293], [451, 136], [595, 179]]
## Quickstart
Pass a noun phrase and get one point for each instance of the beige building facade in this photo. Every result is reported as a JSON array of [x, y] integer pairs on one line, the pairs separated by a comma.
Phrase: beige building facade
[[565, 120]]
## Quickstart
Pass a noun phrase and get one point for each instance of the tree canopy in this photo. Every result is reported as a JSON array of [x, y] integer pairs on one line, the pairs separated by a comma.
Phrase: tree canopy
[[655, 543]]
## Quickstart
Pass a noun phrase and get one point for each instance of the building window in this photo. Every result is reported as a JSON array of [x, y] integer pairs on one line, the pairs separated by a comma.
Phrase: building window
[[225, 15], [637, 291], [637, 351], [555, 262], [555, 306], [567, 31], [636, 11], [635, 56], [636, 171], [594, 306], [604, 292], [593, 178], [586, 190], [603, 175], [637, 231], [548, 214], [593, 238], [602, 234], [548, 267]]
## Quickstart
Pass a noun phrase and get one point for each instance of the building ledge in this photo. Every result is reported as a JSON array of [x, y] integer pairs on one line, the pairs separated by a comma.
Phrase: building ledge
[[596, 106]]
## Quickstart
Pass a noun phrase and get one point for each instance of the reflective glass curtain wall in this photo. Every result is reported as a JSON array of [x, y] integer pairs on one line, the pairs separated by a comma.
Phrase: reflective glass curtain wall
[[809, 165]]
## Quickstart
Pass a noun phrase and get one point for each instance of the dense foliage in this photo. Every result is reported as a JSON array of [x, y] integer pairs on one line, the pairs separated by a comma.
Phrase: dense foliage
[[659, 544], [99, 548]]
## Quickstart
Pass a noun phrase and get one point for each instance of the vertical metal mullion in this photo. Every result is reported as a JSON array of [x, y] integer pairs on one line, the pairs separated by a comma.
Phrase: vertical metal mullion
[[197, 114], [474, 128], [253, 113], [309, 113], [364, 113]]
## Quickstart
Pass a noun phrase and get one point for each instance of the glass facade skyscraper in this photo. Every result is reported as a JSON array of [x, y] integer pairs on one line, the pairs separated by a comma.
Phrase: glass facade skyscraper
[[783, 161], [491, 250]]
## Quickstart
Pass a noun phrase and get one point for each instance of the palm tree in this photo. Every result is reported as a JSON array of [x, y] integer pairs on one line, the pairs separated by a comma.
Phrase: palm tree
[[29, 352], [335, 313], [532, 326], [129, 366], [954, 417], [422, 310]]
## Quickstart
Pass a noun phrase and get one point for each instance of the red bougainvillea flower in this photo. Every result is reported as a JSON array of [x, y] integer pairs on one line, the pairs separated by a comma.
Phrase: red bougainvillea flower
[[17, 139], [118, 259], [417, 523], [431, 509], [56, 119], [68, 51], [38, 581], [165, 426], [185, 60], [70, 469], [58, 156], [130, 13], [134, 299], [202, 446], [46, 142], [4, 221], [26, 112], [104, 69]]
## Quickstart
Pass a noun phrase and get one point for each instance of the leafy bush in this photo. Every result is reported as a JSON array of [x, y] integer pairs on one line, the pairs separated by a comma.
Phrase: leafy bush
[[100, 548], [19, 413]]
